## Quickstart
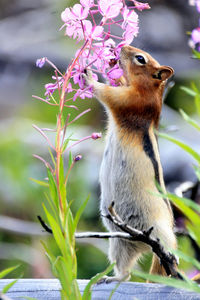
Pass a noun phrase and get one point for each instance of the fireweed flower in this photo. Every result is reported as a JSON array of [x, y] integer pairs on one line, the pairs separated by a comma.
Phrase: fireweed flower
[[95, 22], [195, 35], [195, 3], [87, 3], [109, 9]]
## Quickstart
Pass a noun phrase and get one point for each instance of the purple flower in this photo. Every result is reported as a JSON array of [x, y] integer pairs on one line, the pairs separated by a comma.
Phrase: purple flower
[[86, 93], [50, 88], [40, 62]]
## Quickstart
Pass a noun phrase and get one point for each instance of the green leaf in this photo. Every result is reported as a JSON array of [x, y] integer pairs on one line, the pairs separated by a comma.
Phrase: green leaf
[[68, 282], [70, 160], [62, 186], [190, 120], [188, 91], [42, 183], [196, 53], [80, 211], [52, 157], [7, 271], [66, 142], [186, 201], [8, 286], [180, 284], [182, 145], [188, 212], [194, 232], [197, 171], [69, 225], [87, 291], [53, 188], [53, 208], [58, 235], [187, 258], [51, 258], [197, 97]]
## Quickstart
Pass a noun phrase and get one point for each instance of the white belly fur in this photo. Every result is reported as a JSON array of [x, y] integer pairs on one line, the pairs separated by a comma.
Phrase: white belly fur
[[127, 178]]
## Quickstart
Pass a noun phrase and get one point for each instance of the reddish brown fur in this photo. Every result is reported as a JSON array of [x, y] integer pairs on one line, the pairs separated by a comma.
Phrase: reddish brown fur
[[140, 102]]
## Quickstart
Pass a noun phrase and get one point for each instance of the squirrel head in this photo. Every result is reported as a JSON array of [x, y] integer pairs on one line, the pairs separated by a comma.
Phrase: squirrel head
[[141, 69]]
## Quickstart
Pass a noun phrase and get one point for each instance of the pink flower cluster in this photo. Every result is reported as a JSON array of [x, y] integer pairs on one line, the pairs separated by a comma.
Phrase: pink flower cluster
[[194, 42], [95, 22]]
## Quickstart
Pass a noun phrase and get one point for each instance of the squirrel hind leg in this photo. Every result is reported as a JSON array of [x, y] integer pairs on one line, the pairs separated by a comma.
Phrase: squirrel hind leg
[[125, 254], [156, 267]]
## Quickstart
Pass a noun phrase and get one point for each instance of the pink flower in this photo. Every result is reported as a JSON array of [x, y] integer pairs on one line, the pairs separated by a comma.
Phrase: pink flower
[[110, 8], [78, 79], [73, 18], [69, 88], [75, 30], [196, 35], [130, 18], [76, 13], [92, 32], [87, 3], [129, 33], [66, 15], [198, 5], [115, 72], [40, 62], [86, 93], [79, 12]]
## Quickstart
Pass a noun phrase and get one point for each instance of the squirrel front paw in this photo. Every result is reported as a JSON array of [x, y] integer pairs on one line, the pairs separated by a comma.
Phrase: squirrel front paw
[[88, 77]]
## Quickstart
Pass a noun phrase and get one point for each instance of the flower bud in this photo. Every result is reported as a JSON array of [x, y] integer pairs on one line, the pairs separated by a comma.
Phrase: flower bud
[[77, 158], [96, 135], [40, 62]]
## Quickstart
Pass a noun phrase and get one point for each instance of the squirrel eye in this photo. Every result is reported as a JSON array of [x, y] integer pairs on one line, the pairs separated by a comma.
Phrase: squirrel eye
[[140, 59]]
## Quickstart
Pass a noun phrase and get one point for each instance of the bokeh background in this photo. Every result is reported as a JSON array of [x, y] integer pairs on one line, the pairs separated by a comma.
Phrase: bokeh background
[[29, 29]]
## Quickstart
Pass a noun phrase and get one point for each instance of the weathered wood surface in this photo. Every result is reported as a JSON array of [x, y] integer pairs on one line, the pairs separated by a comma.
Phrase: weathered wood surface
[[48, 289]]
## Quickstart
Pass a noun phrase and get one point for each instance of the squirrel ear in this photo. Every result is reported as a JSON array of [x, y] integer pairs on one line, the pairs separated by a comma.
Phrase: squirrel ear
[[163, 73]]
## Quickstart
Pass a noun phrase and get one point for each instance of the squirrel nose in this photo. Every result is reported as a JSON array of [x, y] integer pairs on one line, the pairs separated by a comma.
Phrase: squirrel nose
[[126, 49]]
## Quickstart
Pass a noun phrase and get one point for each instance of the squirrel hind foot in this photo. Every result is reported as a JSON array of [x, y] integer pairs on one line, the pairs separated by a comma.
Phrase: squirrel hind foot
[[109, 279]]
